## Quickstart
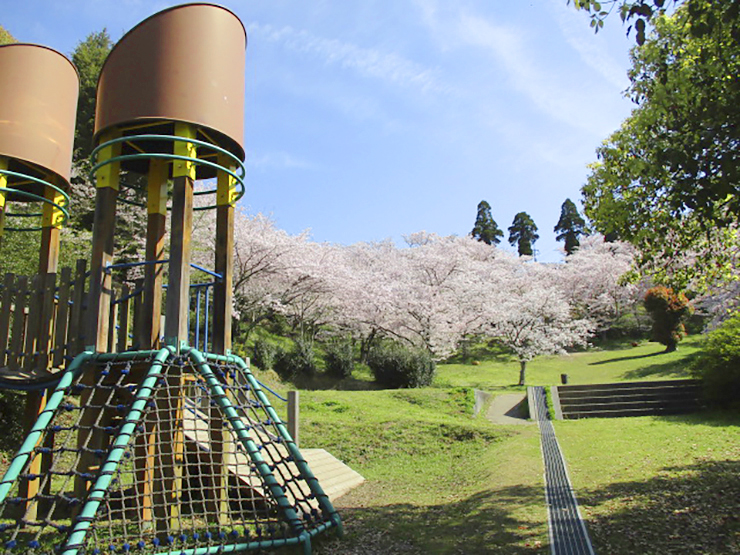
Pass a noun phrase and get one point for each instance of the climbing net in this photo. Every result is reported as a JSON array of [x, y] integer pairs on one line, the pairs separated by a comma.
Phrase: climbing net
[[153, 453]]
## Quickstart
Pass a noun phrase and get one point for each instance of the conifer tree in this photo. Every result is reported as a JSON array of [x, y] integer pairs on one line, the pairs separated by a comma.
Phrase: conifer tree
[[486, 229], [523, 234], [570, 226], [5, 36]]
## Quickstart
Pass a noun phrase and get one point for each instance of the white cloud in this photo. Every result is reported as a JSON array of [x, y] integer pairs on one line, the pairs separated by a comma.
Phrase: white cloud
[[508, 47], [579, 35], [280, 160], [372, 63]]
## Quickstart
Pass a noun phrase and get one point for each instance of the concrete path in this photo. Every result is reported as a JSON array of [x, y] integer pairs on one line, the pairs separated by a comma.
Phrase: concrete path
[[508, 409]]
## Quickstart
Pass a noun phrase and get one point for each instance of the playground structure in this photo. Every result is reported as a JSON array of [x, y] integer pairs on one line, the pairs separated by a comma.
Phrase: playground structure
[[148, 439]]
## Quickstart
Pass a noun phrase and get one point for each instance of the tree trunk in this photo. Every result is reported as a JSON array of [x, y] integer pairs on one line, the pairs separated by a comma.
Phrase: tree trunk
[[522, 371]]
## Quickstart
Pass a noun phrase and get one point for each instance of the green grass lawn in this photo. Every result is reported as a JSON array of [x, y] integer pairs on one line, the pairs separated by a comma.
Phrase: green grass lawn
[[438, 480], [657, 484], [620, 362]]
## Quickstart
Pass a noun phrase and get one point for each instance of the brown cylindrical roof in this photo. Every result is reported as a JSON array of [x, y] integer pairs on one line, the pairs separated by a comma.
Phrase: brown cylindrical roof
[[38, 104], [184, 64]]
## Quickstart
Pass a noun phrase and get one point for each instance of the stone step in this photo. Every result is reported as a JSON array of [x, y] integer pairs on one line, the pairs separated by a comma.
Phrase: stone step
[[659, 384], [628, 405], [670, 396], [653, 411], [627, 399]]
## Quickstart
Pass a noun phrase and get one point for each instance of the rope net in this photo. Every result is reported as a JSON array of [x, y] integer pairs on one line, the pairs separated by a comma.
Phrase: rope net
[[151, 456]]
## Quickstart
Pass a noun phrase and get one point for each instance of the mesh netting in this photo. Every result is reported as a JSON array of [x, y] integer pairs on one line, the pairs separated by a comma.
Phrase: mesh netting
[[149, 455]]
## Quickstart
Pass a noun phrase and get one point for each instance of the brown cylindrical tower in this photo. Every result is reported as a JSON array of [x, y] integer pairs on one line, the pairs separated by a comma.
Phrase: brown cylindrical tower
[[184, 64], [170, 105], [38, 104]]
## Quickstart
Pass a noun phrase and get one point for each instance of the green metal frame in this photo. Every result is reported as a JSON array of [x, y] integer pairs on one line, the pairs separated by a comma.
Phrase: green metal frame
[[34, 198], [98, 490], [238, 176]]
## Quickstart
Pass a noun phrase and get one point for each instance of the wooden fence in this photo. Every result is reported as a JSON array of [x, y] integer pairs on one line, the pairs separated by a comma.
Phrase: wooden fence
[[42, 320]]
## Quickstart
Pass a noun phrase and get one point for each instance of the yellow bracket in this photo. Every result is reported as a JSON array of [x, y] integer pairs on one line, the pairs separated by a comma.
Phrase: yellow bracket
[[226, 192], [53, 216], [185, 168], [109, 174], [3, 181], [156, 200]]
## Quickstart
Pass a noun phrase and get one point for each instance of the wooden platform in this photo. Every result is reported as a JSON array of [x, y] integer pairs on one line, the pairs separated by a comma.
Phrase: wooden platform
[[334, 477]]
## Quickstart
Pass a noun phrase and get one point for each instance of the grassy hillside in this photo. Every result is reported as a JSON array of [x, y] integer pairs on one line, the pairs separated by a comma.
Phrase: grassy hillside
[[613, 363], [440, 481]]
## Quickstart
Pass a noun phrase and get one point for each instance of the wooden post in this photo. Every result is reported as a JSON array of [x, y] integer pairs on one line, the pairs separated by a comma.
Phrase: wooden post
[[5, 313], [99, 299], [145, 452], [51, 228], [170, 443], [293, 415], [61, 336], [124, 319], [178, 287], [102, 246], [29, 488], [169, 471], [19, 323], [224, 263], [76, 324], [113, 318], [222, 314], [155, 235], [32, 324]]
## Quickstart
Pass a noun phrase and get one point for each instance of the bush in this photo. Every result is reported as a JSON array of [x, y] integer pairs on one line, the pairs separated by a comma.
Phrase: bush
[[338, 359], [668, 310], [396, 366], [300, 361], [263, 354], [12, 407], [718, 364]]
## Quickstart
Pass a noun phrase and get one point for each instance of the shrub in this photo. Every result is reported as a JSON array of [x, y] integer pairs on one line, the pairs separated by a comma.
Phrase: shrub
[[718, 364], [300, 361], [668, 311], [396, 366], [12, 405], [338, 359], [264, 354]]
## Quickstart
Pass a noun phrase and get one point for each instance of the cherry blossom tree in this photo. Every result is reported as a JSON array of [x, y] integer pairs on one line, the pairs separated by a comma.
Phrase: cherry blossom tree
[[432, 294], [534, 317], [592, 278]]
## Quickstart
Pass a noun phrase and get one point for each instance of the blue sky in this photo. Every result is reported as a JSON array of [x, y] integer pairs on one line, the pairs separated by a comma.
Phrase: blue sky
[[369, 120]]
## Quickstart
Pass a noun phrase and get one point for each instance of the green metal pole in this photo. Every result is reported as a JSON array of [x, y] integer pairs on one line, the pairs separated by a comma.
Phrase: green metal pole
[[21, 457], [241, 431], [300, 462], [97, 492]]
